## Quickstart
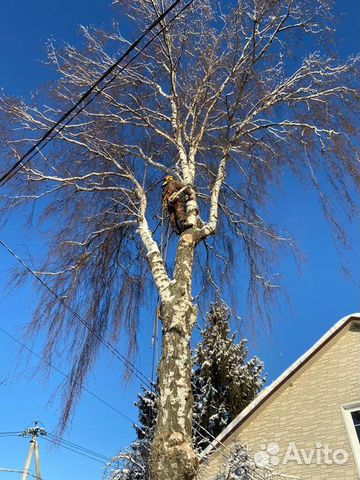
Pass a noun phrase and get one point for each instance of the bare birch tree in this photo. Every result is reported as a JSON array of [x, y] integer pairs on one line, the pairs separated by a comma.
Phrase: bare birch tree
[[226, 99]]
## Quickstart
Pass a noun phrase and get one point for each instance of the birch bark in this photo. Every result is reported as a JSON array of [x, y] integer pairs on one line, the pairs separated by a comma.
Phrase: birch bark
[[173, 456]]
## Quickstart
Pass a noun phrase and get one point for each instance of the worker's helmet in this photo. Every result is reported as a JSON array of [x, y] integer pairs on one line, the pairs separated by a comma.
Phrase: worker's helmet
[[167, 180]]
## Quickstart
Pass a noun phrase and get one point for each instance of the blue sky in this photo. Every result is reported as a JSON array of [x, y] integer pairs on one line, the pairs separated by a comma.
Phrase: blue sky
[[320, 294]]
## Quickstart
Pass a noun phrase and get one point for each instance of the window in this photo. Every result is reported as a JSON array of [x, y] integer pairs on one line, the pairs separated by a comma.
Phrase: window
[[351, 413], [356, 419]]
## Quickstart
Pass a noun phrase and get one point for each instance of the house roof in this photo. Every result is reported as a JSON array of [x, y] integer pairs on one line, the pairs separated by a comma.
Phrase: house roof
[[276, 384]]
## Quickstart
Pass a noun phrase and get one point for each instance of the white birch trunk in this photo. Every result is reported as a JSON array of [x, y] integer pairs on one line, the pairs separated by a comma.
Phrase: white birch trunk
[[173, 456]]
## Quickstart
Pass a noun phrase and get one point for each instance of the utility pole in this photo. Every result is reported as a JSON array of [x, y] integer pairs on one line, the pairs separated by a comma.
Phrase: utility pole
[[33, 449]]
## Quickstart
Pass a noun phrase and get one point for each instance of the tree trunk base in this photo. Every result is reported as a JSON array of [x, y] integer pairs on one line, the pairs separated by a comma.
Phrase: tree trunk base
[[173, 458]]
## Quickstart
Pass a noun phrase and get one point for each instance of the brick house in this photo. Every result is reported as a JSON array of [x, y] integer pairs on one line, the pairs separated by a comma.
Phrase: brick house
[[307, 422]]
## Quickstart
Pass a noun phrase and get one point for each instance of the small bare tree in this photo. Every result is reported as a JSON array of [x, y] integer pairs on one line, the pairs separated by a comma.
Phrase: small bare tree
[[225, 99]]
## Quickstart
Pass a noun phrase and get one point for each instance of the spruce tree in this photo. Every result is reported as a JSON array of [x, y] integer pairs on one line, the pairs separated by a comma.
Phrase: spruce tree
[[224, 382], [133, 463]]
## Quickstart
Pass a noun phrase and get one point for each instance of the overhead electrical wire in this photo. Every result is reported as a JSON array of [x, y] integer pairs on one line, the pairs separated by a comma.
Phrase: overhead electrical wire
[[82, 450], [13, 470], [39, 145], [59, 440], [97, 457], [75, 451], [134, 370], [57, 369]]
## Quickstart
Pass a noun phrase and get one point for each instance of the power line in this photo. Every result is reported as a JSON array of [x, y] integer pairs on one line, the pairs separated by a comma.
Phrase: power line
[[58, 441], [83, 97], [36, 432], [65, 375], [37, 147], [134, 370], [67, 443], [12, 470], [75, 451]]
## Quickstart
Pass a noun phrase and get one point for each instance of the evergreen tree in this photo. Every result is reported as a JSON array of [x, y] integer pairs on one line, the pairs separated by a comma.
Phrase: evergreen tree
[[224, 382], [133, 464]]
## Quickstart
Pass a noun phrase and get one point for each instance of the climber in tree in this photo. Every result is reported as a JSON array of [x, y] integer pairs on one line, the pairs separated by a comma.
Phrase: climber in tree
[[174, 203]]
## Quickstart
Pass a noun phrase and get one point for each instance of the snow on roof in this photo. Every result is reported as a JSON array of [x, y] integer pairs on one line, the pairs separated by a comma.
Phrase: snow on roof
[[268, 391]]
